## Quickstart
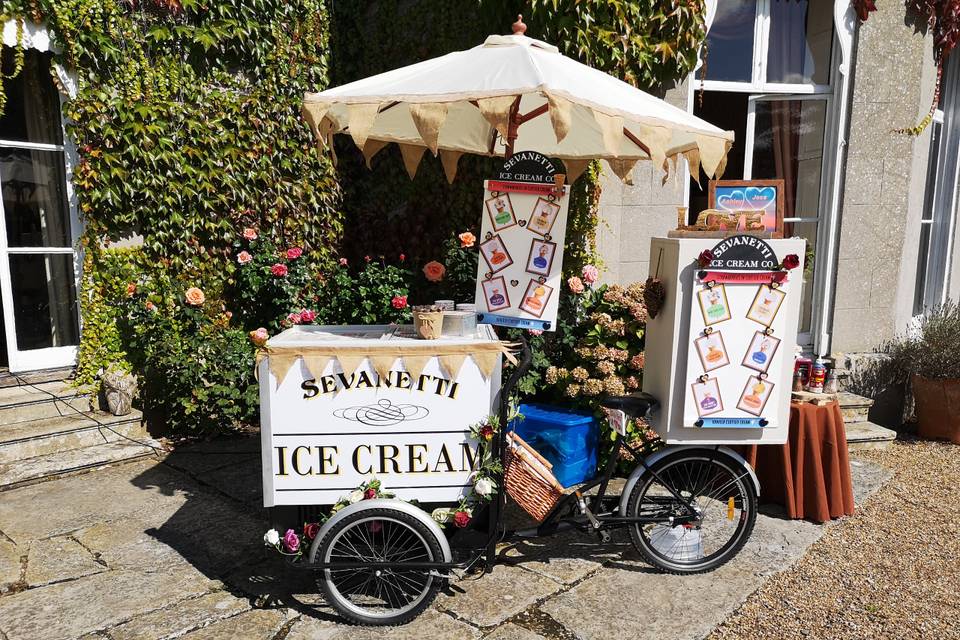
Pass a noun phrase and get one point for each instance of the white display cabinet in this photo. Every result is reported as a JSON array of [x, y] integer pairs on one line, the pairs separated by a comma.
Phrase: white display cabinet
[[719, 355]]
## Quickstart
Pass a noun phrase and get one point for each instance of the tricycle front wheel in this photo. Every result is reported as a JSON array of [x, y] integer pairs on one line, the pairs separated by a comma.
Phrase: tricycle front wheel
[[378, 596]]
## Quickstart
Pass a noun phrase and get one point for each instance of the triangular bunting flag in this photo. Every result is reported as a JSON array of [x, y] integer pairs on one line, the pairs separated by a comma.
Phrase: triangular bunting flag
[[496, 111], [486, 362], [316, 365], [611, 128], [414, 365], [361, 118], [693, 162], [450, 160], [429, 118], [411, 157], [559, 116], [452, 364], [372, 148], [382, 365], [624, 168], [280, 365], [349, 362], [713, 151], [575, 169]]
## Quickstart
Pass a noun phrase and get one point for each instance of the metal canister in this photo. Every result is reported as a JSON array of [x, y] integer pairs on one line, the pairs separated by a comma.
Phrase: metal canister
[[818, 376], [445, 305]]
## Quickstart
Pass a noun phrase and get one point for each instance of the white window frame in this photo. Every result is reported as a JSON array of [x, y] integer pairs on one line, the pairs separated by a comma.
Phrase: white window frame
[[37, 37], [837, 94]]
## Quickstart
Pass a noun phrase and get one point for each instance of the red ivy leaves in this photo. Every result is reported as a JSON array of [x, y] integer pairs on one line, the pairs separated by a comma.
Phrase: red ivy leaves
[[863, 8]]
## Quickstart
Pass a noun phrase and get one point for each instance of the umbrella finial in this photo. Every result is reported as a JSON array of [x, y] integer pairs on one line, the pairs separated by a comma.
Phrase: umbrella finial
[[518, 27]]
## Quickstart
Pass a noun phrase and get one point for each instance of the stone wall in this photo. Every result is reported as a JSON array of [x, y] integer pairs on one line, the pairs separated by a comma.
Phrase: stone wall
[[884, 183]]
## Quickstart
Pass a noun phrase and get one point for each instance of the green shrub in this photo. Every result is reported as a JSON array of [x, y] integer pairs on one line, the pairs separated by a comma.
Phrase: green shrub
[[932, 348], [377, 293]]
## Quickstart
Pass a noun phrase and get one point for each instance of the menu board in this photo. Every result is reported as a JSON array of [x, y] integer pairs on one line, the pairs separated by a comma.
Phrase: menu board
[[736, 351], [521, 244]]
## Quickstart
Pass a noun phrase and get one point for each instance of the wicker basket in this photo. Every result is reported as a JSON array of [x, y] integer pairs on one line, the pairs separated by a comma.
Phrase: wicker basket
[[528, 478]]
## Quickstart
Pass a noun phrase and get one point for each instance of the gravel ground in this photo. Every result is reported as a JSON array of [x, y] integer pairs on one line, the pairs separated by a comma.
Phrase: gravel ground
[[890, 571]]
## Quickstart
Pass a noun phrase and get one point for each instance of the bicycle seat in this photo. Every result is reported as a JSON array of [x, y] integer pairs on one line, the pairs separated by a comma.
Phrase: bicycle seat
[[635, 405]]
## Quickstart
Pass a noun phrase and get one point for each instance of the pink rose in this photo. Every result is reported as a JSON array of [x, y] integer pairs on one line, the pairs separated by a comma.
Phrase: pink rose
[[259, 336], [535, 332], [279, 270], [575, 284], [343, 262], [467, 240], [291, 541], [294, 252], [461, 519], [250, 234], [308, 315], [590, 274], [370, 494], [294, 318], [367, 258], [194, 296], [399, 302], [244, 257], [434, 271], [402, 257]]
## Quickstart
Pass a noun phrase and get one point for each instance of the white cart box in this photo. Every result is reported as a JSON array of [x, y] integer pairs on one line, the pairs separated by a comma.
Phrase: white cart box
[[674, 364], [403, 419]]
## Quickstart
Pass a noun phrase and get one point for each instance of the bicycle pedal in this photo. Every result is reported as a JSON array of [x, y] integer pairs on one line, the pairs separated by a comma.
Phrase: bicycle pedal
[[604, 536]]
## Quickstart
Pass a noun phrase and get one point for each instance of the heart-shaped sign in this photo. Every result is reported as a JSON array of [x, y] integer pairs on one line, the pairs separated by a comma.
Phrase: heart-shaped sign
[[733, 201], [761, 198]]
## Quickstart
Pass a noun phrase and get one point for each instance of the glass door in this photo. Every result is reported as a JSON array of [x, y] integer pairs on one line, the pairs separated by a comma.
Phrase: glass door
[[38, 263]]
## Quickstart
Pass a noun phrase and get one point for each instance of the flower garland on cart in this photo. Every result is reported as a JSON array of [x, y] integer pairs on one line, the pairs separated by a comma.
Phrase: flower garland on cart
[[484, 488]]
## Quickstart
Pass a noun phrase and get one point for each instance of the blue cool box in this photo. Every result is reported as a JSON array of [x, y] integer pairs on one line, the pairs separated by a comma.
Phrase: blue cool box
[[567, 438]]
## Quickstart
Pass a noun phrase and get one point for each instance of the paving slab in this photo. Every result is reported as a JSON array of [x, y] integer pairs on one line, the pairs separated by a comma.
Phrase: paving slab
[[491, 598], [58, 559], [251, 625], [10, 565], [67, 610], [182, 617], [512, 631], [431, 624]]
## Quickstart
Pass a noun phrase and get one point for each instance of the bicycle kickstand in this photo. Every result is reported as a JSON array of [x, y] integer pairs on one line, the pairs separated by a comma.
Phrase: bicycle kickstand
[[585, 510]]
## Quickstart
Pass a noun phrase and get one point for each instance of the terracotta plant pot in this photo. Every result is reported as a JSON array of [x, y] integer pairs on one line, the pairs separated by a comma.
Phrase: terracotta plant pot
[[937, 402]]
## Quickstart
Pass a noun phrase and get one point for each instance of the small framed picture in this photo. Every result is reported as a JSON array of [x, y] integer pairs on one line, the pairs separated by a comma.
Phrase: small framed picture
[[755, 395], [766, 304], [494, 252], [543, 216], [540, 260], [760, 352], [535, 298], [714, 305], [496, 294], [712, 351], [500, 210], [707, 396]]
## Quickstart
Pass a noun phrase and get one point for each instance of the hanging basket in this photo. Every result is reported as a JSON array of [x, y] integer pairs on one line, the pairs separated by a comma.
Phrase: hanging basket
[[528, 478]]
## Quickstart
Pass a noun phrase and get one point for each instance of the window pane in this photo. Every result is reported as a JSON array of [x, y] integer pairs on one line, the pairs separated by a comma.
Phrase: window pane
[[728, 111], [788, 145], [729, 52], [34, 198], [44, 303], [921, 283], [32, 113], [801, 35]]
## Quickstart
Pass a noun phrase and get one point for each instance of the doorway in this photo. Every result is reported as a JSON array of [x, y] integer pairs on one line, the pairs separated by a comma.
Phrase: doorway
[[38, 261]]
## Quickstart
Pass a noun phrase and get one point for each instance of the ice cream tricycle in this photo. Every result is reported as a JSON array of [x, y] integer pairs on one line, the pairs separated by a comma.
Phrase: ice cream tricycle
[[387, 458]]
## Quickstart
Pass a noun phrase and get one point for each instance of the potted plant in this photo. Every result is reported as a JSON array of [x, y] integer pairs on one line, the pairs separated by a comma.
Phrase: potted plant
[[929, 357]]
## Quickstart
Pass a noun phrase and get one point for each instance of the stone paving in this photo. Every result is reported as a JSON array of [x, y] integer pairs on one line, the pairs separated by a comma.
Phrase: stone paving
[[172, 549]]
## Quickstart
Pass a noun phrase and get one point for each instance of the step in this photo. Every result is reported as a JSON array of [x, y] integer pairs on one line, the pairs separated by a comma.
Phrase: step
[[47, 400], [54, 465], [867, 435], [50, 435], [853, 407], [39, 376]]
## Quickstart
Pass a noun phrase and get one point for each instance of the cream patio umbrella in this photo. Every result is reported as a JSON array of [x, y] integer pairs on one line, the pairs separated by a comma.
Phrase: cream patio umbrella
[[512, 94]]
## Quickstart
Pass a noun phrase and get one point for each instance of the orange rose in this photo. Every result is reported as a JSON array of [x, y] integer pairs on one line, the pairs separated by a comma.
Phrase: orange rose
[[194, 296], [131, 288], [434, 271], [467, 239]]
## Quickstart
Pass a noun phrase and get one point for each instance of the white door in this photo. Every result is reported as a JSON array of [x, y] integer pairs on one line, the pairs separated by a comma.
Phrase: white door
[[38, 262]]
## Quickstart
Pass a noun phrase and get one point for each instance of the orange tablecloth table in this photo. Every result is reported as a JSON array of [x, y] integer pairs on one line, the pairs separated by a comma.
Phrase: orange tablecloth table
[[810, 474]]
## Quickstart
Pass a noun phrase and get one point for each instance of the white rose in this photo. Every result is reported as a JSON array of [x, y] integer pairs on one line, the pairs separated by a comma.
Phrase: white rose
[[271, 538], [483, 487], [355, 496], [441, 515]]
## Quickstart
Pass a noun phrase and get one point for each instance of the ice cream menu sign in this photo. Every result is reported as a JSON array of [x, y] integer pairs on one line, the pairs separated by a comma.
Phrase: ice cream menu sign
[[736, 333], [521, 244]]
